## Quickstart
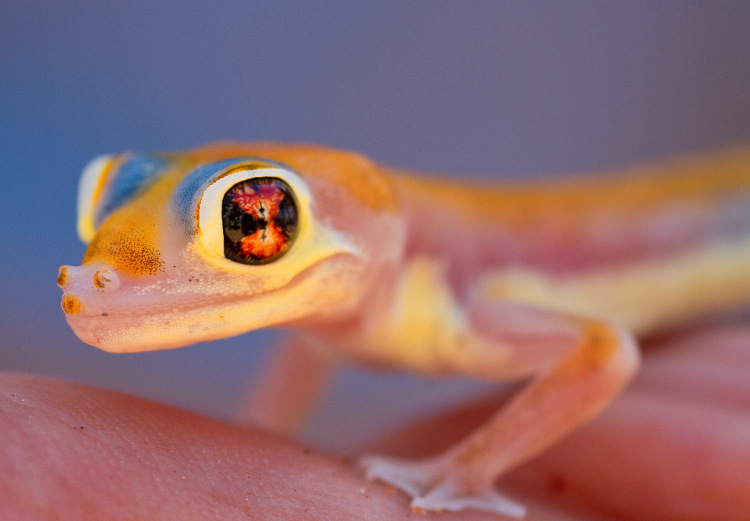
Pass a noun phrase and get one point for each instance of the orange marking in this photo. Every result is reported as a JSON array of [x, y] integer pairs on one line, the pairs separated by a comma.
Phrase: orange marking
[[130, 250], [62, 276], [598, 347], [361, 178], [568, 203], [128, 240], [71, 305], [99, 282], [601, 343]]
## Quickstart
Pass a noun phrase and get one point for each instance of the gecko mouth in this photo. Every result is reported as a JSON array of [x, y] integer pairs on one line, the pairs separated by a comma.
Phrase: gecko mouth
[[132, 327], [147, 330], [166, 315]]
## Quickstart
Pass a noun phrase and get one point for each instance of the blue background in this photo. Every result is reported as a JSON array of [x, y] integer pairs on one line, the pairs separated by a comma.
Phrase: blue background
[[491, 88]]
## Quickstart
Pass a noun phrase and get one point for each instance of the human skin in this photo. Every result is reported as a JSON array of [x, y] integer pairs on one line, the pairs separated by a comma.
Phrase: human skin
[[676, 445]]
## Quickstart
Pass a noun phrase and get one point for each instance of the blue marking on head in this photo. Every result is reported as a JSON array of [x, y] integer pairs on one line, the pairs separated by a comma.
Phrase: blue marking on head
[[132, 177], [188, 193]]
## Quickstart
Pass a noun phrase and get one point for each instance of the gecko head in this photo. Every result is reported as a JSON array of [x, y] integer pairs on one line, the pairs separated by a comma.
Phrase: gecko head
[[197, 246]]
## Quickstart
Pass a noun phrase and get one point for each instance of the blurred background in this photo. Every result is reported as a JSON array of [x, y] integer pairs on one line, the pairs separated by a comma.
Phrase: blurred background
[[494, 89]]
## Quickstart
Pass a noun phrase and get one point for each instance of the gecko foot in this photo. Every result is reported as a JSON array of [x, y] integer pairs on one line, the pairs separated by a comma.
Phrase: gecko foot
[[433, 486]]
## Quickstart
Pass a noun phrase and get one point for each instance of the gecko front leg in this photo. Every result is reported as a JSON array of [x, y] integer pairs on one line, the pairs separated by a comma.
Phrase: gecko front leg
[[579, 365], [291, 385]]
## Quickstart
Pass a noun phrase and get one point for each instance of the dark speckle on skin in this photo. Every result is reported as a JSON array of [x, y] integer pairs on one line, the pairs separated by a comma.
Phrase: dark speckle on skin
[[131, 252]]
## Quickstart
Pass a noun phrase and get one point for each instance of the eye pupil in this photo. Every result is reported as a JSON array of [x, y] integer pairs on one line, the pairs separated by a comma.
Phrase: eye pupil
[[248, 224], [260, 220]]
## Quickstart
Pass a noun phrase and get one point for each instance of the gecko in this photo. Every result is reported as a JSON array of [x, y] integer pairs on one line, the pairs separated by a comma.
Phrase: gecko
[[546, 282]]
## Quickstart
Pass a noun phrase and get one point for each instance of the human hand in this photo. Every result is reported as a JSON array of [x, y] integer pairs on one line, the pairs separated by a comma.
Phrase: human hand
[[675, 446]]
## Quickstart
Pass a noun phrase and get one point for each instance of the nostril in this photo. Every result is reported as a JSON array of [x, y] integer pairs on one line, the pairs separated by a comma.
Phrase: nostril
[[106, 279], [62, 276]]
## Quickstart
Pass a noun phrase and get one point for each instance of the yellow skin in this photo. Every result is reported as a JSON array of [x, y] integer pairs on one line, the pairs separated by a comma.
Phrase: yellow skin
[[547, 282]]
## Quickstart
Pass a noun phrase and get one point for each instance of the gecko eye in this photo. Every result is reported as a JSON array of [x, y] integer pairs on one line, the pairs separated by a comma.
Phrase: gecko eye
[[259, 218], [253, 216]]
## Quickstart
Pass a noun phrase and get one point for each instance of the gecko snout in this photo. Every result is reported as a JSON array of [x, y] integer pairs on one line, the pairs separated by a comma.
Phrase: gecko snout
[[78, 282]]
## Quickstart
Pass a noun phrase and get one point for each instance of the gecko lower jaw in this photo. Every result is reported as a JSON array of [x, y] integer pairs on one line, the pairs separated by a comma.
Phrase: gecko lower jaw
[[149, 328]]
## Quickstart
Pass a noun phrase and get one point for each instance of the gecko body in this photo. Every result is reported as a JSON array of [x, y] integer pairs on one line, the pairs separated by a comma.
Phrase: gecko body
[[544, 281]]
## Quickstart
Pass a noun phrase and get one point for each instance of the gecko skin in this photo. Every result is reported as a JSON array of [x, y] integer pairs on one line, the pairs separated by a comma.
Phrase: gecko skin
[[544, 281]]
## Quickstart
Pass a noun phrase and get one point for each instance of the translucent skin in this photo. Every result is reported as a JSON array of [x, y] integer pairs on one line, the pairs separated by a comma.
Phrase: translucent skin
[[547, 281]]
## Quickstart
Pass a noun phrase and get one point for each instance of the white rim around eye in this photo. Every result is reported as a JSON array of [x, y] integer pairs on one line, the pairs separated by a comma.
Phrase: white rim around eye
[[312, 243], [210, 222], [90, 188]]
